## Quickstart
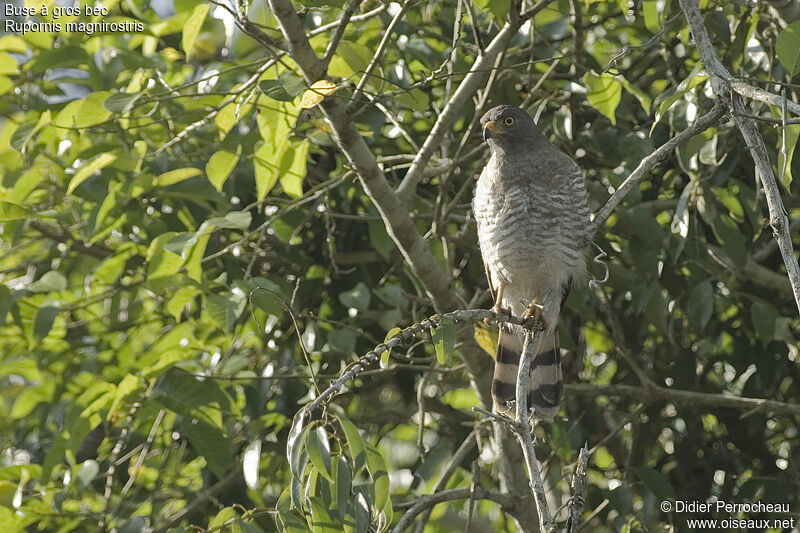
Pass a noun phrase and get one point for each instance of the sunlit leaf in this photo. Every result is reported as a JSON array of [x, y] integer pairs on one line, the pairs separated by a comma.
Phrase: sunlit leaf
[[316, 93], [220, 166], [192, 26], [604, 92], [87, 169]]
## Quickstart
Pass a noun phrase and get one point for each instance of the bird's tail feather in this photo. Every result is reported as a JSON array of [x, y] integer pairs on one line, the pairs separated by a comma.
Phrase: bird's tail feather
[[545, 385]]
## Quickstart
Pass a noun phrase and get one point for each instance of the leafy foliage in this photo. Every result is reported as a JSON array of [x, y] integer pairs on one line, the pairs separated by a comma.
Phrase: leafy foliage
[[187, 260]]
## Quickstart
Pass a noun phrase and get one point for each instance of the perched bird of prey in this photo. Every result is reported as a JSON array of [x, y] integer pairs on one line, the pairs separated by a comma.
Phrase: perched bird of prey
[[532, 213]]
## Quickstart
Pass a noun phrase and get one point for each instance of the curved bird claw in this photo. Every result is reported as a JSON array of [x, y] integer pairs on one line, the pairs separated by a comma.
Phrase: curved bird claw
[[534, 314]]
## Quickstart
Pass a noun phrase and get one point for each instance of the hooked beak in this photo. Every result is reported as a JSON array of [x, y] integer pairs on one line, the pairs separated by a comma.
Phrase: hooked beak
[[488, 130]]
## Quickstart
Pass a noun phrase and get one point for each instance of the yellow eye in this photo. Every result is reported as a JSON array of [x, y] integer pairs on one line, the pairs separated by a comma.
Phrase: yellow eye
[[509, 121]]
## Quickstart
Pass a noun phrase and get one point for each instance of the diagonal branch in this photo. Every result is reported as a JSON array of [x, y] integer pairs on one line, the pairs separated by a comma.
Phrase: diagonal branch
[[721, 84]]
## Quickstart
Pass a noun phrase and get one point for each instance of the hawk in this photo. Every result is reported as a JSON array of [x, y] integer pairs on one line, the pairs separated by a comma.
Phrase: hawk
[[532, 214]]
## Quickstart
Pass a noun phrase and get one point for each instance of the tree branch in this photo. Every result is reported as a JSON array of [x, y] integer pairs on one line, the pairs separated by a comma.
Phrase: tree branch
[[100, 252], [661, 394], [721, 83], [575, 508]]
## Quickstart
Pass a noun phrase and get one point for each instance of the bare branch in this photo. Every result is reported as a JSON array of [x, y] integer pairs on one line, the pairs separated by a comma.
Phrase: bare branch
[[94, 250], [578, 486], [760, 95], [661, 394]]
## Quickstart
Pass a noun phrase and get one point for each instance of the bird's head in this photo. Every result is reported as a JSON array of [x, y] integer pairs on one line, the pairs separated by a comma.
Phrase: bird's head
[[506, 125]]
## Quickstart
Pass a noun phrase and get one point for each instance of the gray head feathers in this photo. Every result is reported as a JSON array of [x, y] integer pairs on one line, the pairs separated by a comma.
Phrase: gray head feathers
[[505, 126]]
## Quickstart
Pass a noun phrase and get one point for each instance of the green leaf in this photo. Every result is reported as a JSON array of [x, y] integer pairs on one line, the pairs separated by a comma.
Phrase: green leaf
[[292, 169], [275, 90], [388, 353], [184, 393], [785, 163], [322, 520], [8, 65], [194, 255], [232, 220], [160, 261], [177, 175], [86, 473], [180, 300], [21, 135], [498, 8], [192, 26], [265, 171], [362, 514], [764, 316], [222, 517], [358, 297], [91, 110], [211, 443], [695, 78], [87, 169], [121, 103], [788, 47], [604, 93], [45, 316], [656, 482], [225, 308], [444, 340], [700, 305], [344, 480], [10, 211], [355, 444], [350, 58], [50, 281], [651, 15], [220, 166], [380, 478], [342, 340], [639, 94], [295, 443], [319, 451]]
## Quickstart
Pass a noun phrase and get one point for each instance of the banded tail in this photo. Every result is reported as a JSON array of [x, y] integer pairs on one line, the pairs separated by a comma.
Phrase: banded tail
[[546, 384]]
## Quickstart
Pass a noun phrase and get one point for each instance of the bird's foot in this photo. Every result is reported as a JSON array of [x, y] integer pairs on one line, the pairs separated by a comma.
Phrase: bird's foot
[[533, 314]]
